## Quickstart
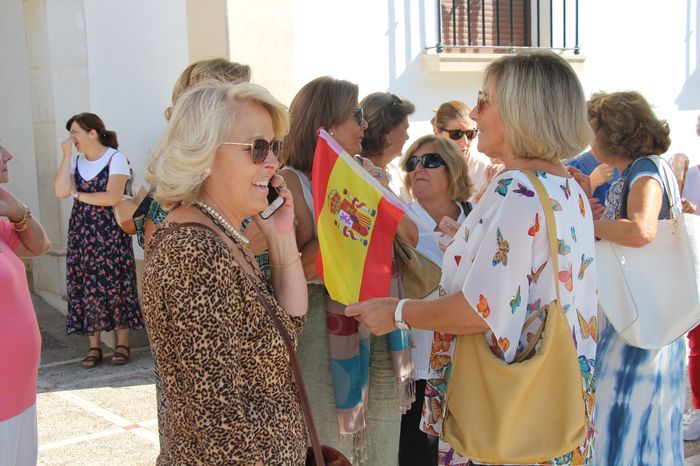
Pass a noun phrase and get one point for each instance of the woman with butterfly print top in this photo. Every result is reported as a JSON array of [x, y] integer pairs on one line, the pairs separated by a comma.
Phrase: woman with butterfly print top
[[641, 392], [437, 177], [498, 270]]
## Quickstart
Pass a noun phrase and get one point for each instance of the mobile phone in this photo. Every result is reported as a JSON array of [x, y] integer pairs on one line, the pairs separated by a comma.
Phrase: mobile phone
[[274, 200]]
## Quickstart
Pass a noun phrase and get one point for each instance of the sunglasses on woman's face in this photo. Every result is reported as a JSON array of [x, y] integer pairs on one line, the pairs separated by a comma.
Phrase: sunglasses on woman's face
[[431, 160], [482, 100], [457, 134], [358, 114], [259, 148]]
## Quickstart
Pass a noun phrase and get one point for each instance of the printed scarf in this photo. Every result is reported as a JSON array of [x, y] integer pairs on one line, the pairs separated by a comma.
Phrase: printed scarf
[[350, 359]]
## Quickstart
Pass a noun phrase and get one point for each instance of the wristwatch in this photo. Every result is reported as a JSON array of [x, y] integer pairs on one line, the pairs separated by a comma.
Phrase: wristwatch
[[398, 316]]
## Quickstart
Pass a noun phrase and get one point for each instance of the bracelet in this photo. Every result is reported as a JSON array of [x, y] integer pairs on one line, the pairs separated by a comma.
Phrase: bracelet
[[23, 223], [76, 195], [286, 265]]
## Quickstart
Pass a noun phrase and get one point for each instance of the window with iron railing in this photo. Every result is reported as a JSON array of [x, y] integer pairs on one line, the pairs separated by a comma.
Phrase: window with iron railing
[[498, 26]]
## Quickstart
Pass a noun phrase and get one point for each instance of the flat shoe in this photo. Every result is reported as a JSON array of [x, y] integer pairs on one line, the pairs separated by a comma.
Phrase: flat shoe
[[119, 358], [92, 361]]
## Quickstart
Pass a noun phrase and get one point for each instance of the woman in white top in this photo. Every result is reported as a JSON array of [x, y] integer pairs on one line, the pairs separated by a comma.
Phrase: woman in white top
[[436, 176], [101, 272]]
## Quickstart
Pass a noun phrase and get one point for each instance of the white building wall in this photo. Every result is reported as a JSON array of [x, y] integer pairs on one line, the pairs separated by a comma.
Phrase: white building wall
[[16, 132], [628, 44], [136, 51], [650, 47]]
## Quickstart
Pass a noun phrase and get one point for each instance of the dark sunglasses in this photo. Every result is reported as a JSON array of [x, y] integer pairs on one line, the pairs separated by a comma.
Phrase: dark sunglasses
[[259, 148], [457, 134], [431, 160], [358, 115]]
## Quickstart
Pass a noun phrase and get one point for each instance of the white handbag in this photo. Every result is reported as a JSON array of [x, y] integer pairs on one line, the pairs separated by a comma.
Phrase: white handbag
[[651, 295]]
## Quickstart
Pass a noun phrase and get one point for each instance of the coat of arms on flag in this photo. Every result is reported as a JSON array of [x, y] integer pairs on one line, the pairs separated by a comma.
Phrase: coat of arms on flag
[[356, 223]]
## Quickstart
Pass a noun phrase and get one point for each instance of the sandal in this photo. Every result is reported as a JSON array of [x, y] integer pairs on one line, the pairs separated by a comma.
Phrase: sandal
[[92, 361], [119, 358]]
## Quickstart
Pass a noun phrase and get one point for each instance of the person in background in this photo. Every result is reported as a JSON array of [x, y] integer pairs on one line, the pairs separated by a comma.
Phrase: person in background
[[101, 279], [21, 236], [212, 70], [498, 273], [691, 422], [386, 133], [640, 393], [600, 176], [436, 176], [452, 121], [356, 413], [225, 370]]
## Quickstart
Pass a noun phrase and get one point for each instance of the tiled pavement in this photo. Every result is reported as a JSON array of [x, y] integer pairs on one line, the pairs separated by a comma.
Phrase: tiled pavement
[[107, 415], [101, 416]]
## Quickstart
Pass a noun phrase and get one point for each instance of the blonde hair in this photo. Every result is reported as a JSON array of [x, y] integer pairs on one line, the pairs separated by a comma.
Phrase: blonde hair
[[625, 125], [542, 105], [211, 70], [450, 110], [456, 165], [200, 120]]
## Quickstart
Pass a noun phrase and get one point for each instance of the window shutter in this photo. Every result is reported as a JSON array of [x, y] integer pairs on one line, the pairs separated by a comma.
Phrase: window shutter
[[487, 23]]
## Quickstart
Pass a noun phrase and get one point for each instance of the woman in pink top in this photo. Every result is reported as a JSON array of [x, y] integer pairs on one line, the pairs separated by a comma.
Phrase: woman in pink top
[[20, 342]]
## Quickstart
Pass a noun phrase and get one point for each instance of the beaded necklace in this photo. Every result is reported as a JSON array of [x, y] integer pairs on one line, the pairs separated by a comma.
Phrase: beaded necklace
[[238, 239], [222, 223]]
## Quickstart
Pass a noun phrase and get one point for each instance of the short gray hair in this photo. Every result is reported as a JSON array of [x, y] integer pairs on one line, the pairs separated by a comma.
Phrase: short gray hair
[[542, 105]]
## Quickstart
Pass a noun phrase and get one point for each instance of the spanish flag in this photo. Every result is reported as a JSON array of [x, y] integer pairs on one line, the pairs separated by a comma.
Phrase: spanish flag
[[356, 223]]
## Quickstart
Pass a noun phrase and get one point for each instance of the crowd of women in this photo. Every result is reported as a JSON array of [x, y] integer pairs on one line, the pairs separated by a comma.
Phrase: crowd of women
[[232, 301]]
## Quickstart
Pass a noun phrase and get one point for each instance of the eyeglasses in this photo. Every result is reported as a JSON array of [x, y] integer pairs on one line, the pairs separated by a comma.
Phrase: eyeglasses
[[457, 134], [358, 114], [431, 160], [259, 148], [482, 100]]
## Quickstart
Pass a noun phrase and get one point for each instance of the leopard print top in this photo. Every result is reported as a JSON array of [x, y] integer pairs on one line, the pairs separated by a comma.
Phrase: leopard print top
[[224, 368]]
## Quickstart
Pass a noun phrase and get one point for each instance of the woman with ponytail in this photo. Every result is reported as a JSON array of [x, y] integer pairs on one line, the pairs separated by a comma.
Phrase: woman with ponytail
[[101, 278]]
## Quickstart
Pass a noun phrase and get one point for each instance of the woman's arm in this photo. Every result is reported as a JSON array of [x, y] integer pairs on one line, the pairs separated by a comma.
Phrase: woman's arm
[[408, 231], [33, 239], [286, 270], [643, 206], [304, 225], [63, 181], [109, 198], [449, 314]]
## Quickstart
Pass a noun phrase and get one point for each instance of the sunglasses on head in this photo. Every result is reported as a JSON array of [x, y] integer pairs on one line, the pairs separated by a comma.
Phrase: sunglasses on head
[[358, 115], [259, 148], [431, 160], [457, 134]]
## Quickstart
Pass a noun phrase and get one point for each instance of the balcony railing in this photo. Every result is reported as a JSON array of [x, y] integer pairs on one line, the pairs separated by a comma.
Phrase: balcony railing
[[507, 25]]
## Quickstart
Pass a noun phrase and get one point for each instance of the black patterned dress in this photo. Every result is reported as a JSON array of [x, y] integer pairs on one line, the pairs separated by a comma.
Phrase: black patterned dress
[[101, 278]]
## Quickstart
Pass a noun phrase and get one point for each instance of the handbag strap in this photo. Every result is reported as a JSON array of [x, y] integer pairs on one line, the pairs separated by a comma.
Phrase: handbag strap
[[554, 252], [127, 187], [551, 225], [673, 208], [303, 396]]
